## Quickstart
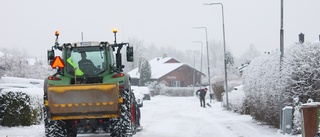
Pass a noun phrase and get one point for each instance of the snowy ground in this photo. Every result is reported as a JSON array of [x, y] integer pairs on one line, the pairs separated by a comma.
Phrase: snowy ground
[[178, 117], [183, 116]]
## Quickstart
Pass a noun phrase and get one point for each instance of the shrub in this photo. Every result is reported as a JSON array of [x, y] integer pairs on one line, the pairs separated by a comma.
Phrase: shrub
[[16, 110], [218, 90]]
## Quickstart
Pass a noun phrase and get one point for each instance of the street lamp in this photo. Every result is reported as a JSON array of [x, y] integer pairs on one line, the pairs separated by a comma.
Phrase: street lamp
[[224, 46], [207, 59], [281, 57]]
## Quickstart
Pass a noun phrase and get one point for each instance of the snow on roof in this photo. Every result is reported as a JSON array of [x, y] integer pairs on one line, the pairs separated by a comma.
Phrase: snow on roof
[[158, 68]]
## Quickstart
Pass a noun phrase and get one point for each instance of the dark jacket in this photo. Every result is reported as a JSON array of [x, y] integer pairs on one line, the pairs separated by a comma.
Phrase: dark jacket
[[202, 92], [87, 67]]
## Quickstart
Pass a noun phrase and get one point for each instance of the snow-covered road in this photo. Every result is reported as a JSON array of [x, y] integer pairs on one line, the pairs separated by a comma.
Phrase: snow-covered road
[[179, 117], [183, 116]]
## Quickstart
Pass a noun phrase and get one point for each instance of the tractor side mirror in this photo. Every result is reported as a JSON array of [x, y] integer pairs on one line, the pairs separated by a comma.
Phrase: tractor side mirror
[[129, 54], [50, 56]]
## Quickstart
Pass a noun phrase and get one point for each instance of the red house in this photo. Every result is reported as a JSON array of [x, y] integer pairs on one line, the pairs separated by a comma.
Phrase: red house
[[170, 70]]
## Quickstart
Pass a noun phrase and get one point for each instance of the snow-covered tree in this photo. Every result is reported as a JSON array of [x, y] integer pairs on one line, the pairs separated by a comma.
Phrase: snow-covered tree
[[229, 59], [302, 68], [145, 72], [15, 64], [298, 78]]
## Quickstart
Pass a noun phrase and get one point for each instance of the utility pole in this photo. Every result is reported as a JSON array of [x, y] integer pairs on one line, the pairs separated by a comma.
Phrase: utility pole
[[225, 56], [281, 57]]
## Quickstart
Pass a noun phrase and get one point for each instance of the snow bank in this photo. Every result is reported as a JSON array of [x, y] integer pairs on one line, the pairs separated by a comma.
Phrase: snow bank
[[236, 99], [29, 91], [24, 82], [143, 90], [32, 87]]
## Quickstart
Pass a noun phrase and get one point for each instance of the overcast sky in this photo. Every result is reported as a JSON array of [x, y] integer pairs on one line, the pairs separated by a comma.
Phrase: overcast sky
[[30, 24]]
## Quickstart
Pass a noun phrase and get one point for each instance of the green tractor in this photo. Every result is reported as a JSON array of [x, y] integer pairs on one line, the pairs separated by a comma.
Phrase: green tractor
[[89, 92]]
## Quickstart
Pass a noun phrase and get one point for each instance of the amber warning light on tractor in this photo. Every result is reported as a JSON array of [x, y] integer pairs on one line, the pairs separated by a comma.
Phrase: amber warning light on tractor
[[57, 33], [114, 30], [57, 62]]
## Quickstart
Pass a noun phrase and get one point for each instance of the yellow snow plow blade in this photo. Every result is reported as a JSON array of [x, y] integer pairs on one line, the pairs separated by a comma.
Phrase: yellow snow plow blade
[[83, 101]]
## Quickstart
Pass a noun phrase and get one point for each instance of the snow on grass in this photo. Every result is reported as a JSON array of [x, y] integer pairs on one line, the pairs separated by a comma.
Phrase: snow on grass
[[27, 131]]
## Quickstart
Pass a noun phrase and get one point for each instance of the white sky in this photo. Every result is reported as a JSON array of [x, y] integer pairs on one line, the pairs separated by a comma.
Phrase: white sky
[[29, 25]]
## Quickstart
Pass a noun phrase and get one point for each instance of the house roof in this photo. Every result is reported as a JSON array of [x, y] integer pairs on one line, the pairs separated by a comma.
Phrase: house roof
[[159, 67]]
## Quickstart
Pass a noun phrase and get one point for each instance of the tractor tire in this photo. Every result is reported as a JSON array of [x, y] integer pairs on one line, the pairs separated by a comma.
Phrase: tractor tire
[[122, 126], [54, 128]]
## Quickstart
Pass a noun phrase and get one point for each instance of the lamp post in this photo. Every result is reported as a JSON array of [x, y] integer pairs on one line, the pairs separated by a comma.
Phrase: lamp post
[[281, 57], [207, 59], [224, 46]]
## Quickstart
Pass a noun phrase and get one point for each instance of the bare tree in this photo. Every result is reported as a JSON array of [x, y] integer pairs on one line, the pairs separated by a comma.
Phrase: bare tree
[[248, 55], [138, 47]]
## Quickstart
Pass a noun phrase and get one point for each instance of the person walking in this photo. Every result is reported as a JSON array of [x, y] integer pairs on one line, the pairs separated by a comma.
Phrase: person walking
[[202, 94]]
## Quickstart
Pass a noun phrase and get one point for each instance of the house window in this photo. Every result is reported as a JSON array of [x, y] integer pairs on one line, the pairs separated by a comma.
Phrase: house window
[[175, 84]]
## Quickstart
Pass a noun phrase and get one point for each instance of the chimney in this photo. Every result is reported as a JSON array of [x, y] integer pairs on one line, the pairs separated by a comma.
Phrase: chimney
[[301, 38], [164, 55]]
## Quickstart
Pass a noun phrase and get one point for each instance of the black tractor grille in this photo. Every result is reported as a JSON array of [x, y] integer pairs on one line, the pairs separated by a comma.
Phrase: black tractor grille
[[87, 80]]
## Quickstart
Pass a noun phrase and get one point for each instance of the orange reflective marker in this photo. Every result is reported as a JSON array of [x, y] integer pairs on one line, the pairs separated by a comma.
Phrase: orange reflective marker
[[57, 62]]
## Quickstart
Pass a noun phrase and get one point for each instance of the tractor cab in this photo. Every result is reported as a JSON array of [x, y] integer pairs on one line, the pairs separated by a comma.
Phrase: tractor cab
[[87, 60]]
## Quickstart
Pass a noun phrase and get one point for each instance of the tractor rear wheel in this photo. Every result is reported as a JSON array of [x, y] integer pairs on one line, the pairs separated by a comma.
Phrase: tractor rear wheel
[[122, 126], [54, 128]]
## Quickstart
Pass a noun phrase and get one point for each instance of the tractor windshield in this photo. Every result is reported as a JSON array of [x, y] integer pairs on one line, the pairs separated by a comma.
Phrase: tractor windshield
[[86, 61]]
